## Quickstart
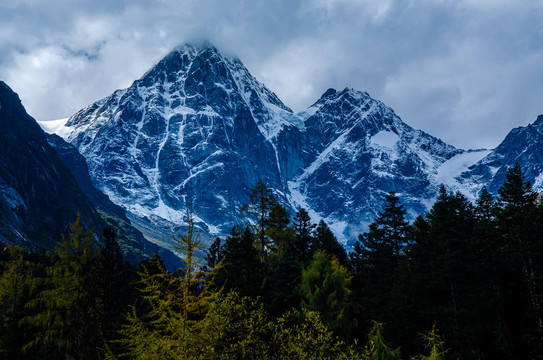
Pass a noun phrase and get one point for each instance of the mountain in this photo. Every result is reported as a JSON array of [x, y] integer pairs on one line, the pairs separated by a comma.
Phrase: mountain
[[199, 126], [357, 150], [523, 145], [38, 195], [45, 184]]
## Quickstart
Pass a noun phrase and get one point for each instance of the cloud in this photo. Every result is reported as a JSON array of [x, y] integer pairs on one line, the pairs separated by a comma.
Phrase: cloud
[[466, 71]]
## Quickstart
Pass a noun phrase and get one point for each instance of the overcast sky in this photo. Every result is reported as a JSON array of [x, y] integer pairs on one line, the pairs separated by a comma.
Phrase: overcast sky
[[467, 71]]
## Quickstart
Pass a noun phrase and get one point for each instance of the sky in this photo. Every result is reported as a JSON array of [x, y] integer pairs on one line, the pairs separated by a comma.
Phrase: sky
[[466, 71]]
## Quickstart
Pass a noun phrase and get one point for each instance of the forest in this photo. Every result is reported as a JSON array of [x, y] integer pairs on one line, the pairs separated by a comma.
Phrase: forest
[[463, 281]]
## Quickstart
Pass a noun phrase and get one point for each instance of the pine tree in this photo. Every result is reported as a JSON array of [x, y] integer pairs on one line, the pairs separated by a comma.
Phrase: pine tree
[[324, 239], [445, 263], [377, 348], [519, 221], [436, 345], [376, 261], [16, 286], [284, 282], [325, 288], [241, 269], [261, 202], [214, 255], [303, 235], [278, 230], [188, 243], [114, 289], [67, 318]]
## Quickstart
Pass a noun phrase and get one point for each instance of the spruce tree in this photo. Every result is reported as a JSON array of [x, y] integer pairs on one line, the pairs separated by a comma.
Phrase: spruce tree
[[241, 269], [261, 202], [519, 220], [324, 239], [284, 282], [376, 261], [325, 288], [303, 235], [67, 313]]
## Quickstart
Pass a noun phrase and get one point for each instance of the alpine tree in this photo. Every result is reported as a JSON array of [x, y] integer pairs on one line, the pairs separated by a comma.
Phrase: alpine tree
[[66, 311], [325, 288], [446, 270], [519, 219], [189, 243], [375, 262], [303, 229], [324, 239], [214, 255], [241, 269], [261, 202]]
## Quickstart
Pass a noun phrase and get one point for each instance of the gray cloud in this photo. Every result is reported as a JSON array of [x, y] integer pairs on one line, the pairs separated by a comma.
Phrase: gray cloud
[[466, 71]]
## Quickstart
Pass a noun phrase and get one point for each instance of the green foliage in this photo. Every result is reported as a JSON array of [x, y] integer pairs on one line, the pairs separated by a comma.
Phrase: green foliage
[[261, 203], [241, 269], [325, 288], [308, 338], [284, 281], [435, 344], [377, 348], [214, 255], [66, 312], [325, 240], [303, 235], [16, 285], [156, 330]]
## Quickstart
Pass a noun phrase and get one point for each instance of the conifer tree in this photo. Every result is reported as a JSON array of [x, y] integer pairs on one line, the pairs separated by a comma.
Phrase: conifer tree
[[214, 255], [241, 269], [278, 228], [303, 235], [520, 225], [445, 266], [435, 344], [376, 260], [261, 203], [377, 348], [324, 239], [284, 282], [16, 286], [325, 288], [67, 310], [188, 243]]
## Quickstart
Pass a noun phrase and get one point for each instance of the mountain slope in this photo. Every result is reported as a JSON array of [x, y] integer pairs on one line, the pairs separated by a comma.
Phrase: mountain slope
[[357, 151], [523, 145], [198, 125], [38, 195]]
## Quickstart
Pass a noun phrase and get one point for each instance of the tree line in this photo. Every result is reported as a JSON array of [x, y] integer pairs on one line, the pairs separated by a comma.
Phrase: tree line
[[462, 281]]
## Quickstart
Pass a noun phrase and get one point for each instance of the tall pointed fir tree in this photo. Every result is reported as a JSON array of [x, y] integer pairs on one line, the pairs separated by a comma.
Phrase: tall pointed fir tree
[[445, 268], [325, 240], [520, 223], [261, 202], [325, 288], [303, 230], [375, 262], [67, 313]]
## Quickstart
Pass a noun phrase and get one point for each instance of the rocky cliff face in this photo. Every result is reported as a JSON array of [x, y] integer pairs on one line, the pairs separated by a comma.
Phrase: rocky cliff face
[[196, 125], [38, 195], [357, 150], [523, 145]]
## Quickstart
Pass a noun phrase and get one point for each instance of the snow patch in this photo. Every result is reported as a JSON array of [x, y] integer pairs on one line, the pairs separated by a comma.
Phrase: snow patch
[[56, 127], [385, 139]]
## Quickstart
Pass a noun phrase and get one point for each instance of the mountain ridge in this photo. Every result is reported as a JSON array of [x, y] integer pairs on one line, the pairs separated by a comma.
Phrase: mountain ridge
[[199, 125]]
